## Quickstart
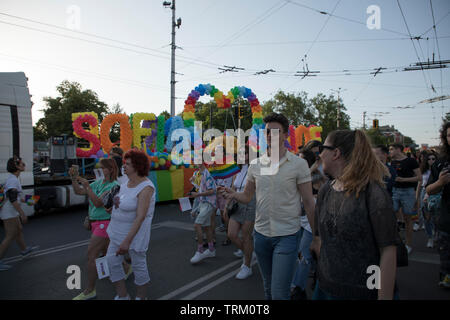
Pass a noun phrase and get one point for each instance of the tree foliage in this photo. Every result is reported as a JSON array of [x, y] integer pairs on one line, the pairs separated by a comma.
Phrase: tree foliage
[[57, 118], [320, 110]]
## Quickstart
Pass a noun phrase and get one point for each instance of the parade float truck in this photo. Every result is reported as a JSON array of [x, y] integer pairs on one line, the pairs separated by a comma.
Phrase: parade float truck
[[41, 191], [171, 155]]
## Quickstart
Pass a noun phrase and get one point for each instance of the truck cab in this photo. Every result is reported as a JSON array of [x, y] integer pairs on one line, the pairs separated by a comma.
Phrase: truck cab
[[16, 138]]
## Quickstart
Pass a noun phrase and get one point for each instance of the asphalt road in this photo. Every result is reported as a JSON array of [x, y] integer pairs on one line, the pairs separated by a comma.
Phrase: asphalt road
[[63, 242]]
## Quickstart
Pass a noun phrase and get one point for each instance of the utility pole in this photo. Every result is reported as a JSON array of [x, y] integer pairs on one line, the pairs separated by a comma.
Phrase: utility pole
[[173, 47], [339, 105], [364, 120]]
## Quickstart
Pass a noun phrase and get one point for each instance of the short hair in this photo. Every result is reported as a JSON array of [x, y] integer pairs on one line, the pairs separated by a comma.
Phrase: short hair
[[117, 150], [111, 165], [279, 118], [309, 156], [139, 161], [383, 148], [11, 166], [397, 146], [312, 144]]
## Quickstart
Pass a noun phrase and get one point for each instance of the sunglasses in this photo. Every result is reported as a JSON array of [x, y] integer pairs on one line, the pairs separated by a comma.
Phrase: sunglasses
[[434, 159], [323, 147]]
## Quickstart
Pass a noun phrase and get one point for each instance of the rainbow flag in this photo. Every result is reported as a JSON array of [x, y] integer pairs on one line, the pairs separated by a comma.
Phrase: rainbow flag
[[224, 171]]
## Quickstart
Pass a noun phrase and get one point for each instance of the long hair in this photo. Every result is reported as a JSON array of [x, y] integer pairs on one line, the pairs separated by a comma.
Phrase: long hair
[[362, 165], [111, 165], [424, 165], [445, 147]]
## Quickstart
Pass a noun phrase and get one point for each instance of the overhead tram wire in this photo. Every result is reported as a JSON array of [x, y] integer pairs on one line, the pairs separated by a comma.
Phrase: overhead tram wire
[[418, 58], [439, 53], [205, 64], [339, 17], [316, 38], [244, 29]]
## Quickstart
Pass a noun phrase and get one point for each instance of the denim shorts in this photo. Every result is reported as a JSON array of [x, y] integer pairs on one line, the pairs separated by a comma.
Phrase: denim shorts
[[404, 198]]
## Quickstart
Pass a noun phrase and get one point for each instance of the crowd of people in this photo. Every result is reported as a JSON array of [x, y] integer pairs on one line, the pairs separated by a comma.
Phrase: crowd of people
[[334, 209]]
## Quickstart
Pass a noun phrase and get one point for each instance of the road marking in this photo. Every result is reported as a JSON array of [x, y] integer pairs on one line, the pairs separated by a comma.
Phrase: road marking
[[60, 248], [213, 284], [199, 280]]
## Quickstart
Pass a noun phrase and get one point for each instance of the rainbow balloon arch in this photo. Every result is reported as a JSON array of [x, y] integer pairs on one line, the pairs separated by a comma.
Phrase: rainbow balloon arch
[[153, 135]]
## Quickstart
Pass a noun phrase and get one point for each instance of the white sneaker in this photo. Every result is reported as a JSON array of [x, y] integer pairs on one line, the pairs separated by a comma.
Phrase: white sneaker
[[416, 227], [208, 254], [244, 273], [238, 253], [197, 257], [124, 298], [409, 249], [430, 243]]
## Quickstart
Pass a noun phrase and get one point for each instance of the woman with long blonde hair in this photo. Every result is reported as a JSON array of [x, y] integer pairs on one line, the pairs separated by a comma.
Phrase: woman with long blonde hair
[[355, 234]]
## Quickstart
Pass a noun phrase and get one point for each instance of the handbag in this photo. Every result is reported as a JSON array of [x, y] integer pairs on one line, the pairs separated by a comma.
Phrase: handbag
[[434, 202], [235, 206]]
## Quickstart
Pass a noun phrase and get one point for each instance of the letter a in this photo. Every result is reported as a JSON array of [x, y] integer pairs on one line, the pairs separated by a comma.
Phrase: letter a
[[373, 282], [74, 281]]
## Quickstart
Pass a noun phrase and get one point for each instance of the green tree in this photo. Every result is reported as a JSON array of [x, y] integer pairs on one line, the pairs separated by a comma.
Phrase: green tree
[[376, 137], [57, 118], [296, 107], [326, 109], [165, 113], [114, 135], [223, 118]]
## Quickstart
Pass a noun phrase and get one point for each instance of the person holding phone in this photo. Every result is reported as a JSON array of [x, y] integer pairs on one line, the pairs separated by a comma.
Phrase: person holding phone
[[439, 182], [99, 218]]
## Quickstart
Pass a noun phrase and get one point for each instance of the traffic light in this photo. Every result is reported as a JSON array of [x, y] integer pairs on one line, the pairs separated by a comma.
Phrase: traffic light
[[240, 112], [375, 123]]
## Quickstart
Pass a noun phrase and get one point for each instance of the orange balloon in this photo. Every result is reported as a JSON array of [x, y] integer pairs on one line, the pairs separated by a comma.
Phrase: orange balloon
[[126, 135]]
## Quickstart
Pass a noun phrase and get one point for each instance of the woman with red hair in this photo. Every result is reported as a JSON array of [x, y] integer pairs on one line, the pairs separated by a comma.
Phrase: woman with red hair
[[129, 230]]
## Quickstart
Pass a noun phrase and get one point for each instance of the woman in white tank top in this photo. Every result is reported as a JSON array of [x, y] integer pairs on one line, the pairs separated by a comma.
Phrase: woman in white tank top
[[129, 229]]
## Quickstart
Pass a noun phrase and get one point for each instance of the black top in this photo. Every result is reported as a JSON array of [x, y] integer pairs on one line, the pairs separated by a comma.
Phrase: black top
[[443, 219], [405, 169], [352, 231]]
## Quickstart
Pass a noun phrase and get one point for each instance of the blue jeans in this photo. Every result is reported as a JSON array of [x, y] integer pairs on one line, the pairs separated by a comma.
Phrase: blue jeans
[[277, 258], [304, 265], [404, 198]]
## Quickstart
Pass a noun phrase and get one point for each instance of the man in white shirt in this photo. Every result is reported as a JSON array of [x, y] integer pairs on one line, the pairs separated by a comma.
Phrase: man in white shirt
[[278, 198]]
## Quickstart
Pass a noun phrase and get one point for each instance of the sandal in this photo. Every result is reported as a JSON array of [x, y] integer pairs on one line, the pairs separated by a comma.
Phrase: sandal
[[226, 242]]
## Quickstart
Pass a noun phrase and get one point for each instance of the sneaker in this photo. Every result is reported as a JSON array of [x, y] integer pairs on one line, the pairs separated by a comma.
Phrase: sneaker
[[88, 296], [4, 267], [124, 298], [430, 243], [238, 253], [445, 283], [208, 254], [416, 227], [408, 248], [298, 294], [197, 257], [28, 251], [127, 275], [244, 273]]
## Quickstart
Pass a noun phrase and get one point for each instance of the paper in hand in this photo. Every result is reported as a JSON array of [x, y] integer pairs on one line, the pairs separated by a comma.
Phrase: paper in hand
[[102, 267], [185, 204]]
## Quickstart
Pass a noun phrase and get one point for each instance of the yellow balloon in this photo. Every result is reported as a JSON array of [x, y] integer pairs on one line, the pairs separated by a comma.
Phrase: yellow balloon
[[172, 168], [162, 162]]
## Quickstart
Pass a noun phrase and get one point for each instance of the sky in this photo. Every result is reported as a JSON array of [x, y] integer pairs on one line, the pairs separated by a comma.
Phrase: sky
[[121, 50]]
